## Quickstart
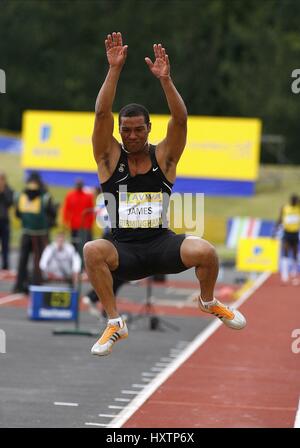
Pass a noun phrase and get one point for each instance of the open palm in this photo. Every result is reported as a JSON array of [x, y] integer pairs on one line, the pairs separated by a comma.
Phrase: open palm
[[115, 50], [161, 66]]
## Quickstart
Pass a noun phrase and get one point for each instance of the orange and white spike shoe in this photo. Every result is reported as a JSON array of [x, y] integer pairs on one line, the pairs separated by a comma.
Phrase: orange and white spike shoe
[[112, 334], [230, 317]]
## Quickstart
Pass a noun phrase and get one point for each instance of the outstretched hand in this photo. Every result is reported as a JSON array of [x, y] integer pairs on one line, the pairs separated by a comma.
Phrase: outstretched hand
[[161, 66], [115, 50]]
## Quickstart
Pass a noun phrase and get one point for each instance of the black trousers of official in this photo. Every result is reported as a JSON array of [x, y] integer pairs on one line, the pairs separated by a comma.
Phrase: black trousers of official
[[4, 237], [79, 237], [35, 245]]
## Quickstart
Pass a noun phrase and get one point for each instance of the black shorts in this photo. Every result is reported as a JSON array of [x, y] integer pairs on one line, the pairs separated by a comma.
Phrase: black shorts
[[291, 238], [159, 255]]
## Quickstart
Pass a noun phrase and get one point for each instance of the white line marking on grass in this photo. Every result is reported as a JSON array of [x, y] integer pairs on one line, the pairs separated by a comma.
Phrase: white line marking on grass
[[61, 403], [140, 399], [297, 419]]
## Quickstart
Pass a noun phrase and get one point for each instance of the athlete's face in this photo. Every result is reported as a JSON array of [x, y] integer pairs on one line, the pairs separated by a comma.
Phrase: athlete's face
[[134, 132]]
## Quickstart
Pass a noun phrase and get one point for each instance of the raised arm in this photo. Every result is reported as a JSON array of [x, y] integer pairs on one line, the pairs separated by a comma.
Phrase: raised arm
[[103, 128], [173, 145]]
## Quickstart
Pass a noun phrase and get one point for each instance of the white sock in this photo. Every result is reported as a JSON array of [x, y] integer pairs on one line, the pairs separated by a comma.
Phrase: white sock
[[116, 321], [210, 303], [285, 269], [294, 270]]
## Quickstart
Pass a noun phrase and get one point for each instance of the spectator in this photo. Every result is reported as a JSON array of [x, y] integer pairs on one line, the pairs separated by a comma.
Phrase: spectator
[[34, 206], [61, 262], [289, 220], [76, 216], [6, 200]]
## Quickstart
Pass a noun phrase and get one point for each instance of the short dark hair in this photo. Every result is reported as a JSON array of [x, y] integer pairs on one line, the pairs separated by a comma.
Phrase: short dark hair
[[134, 110], [35, 176], [294, 199]]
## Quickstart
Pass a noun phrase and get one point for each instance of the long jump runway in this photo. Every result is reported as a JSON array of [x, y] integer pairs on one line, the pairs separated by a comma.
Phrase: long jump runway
[[223, 378], [232, 379]]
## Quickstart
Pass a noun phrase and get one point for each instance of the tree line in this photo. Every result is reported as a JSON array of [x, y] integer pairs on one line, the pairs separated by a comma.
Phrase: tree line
[[228, 58]]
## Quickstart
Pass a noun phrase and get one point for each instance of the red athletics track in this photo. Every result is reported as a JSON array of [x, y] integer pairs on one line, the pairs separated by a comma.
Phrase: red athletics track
[[236, 379]]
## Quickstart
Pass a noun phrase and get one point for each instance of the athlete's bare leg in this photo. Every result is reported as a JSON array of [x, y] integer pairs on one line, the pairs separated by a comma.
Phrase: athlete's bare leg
[[101, 257], [198, 253]]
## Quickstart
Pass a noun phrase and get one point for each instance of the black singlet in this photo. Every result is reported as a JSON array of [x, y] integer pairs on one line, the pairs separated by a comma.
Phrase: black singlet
[[137, 205]]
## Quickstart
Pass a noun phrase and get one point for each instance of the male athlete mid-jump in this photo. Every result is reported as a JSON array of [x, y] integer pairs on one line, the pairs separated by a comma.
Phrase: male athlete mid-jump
[[139, 177]]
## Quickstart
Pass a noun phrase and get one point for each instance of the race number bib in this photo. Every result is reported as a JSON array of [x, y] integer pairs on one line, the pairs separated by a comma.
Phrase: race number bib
[[291, 219], [140, 209]]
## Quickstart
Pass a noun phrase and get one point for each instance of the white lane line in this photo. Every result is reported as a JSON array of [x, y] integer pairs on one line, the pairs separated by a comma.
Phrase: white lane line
[[148, 374], [11, 298], [156, 369], [112, 406], [103, 425], [138, 386], [168, 360], [297, 419], [122, 399], [139, 400], [129, 392], [147, 380], [107, 415], [61, 403], [162, 364]]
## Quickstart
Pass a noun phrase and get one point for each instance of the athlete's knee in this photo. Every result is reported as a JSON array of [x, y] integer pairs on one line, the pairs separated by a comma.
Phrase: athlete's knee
[[93, 252], [207, 252], [100, 251], [198, 252]]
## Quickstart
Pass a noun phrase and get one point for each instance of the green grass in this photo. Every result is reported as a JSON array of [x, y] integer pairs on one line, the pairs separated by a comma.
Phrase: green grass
[[274, 186]]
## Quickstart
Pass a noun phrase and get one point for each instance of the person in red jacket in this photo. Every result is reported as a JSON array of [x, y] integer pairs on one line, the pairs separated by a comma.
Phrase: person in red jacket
[[78, 214]]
